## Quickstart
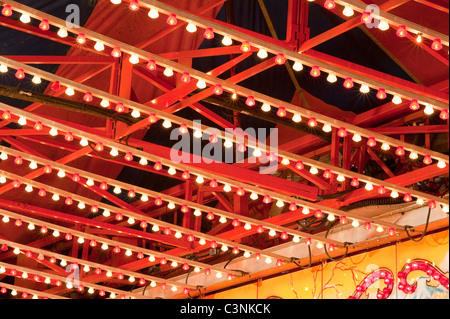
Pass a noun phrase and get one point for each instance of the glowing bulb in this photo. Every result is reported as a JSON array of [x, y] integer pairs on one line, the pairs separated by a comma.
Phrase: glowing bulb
[[413, 156], [167, 124], [172, 20], [226, 41], [332, 78], [168, 72], [385, 147], [428, 110], [99, 46], [368, 187], [348, 11], [266, 107], [364, 89], [355, 223], [245, 47], [153, 13], [297, 66], [134, 59], [441, 164], [383, 25], [297, 118]]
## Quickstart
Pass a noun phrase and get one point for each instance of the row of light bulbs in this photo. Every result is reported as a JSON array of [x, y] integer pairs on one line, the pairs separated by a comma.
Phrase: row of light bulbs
[[91, 267], [95, 241], [240, 191], [218, 89], [57, 281], [342, 132], [171, 205], [166, 229]]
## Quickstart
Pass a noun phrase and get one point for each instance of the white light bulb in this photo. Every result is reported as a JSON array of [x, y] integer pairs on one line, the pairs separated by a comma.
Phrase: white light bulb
[[257, 153], [428, 110], [25, 18], [327, 128], [104, 103], [385, 147], [106, 213], [253, 196], [280, 203], [31, 226], [266, 107], [223, 220], [90, 182], [202, 241], [136, 114], [226, 41], [197, 213], [167, 124], [228, 144], [272, 233], [413, 156], [117, 190], [314, 170], [355, 223], [364, 89], [29, 188], [200, 179], [297, 66], [134, 59], [368, 187], [397, 100], [3, 68], [191, 27], [99, 46], [262, 54], [114, 152], [356, 138], [36, 80], [62, 33], [247, 226], [70, 91], [84, 142], [171, 205], [380, 229], [172, 171], [348, 11], [56, 233], [168, 72], [297, 118], [383, 25], [441, 164], [16, 251], [128, 253], [227, 188], [331, 217], [340, 178], [153, 13], [285, 161], [81, 205], [296, 239], [178, 235], [332, 78], [143, 161], [268, 260], [394, 194], [198, 134], [420, 201], [53, 132], [247, 254], [201, 84]]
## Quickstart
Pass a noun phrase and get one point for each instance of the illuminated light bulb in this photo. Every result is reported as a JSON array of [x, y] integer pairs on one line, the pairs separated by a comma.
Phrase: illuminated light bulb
[[53, 132], [413, 156], [401, 31], [171, 205], [131, 221], [444, 115], [99, 46], [44, 25], [172, 20], [68, 201], [331, 217], [16, 184], [226, 41], [229, 144], [313, 170], [134, 5], [354, 182], [329, 4], [428, 110], [158, 201], [152, 119], [213, 138], [297, 118], [63, 263], [332, 78], [368, 187], [168, 72], [116, 52], [342, 132], [7, 10], [116, 249], [134, 59], [201, 84], [128, 253], [81, 38], [266, 107], [31, 226], [367, 226], [117, 190], [227, 188], [383, 25], [143, 161], [198, 134], [186, 175], [445, 208], [420, 201], [218, 90], [371, 142], [116, 1], [285, 161], [340, 178], [36, 80], [81, 205], [185, 77], [18, 160], [281, 112], [245, 47], [348, 11], [42, 192], [315, 71], [427, 160], [20, 74], [172, 171], [280, 203], [348, 83], [385, 147], [436, 45], [419, 38], [280, 59], [213, 183], [400, 151], [381, 190], [441, 164], [394, 194], [224, 248], [407, 198], [114, 152], [153, 13], [70, 91], [106, 213], [397, 100], [305, 211], [312, 122], [267, 199], [128, 157], [260, 229], [364, 89], [343, 220], [414, 105], [44, 230], [56, 233], [208, 34], [47, 169], [327, 174], [366, 17], [18, 223], [268, 260], [250, 101], [381, 94], [297, 66]]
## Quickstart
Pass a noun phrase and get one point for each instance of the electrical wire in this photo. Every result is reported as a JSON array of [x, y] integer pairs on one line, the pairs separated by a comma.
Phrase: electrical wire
[[325, 245]]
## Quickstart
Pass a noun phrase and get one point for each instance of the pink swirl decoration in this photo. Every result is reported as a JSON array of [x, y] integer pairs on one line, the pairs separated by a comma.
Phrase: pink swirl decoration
[[421, 265], [380, 274]]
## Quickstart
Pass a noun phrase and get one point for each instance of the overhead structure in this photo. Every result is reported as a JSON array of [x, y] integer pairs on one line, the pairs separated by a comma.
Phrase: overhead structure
[[154, 150]]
